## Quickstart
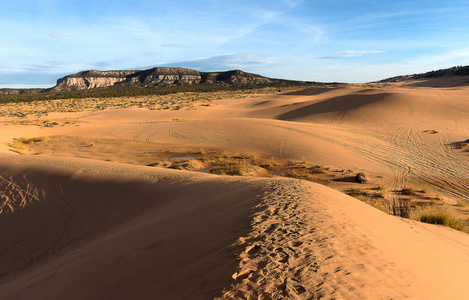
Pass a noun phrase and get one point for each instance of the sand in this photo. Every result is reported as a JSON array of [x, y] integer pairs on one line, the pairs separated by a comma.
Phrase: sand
[[403, 135], [84, 224], [96, 236]]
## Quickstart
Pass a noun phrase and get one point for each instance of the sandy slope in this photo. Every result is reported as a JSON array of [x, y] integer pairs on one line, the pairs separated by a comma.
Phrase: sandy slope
[[90, 229], [96, 236], [143, 233]]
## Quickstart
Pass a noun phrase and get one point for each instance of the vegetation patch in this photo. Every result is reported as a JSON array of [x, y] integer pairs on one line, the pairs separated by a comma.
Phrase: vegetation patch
[[136, 91], [179, 100], [19, 145], [371, 196], [441, 215], [415, 204]]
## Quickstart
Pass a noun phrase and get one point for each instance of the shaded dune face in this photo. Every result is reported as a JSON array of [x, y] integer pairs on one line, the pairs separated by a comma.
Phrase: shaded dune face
[[121, 237], [310, 92], [338, 105]]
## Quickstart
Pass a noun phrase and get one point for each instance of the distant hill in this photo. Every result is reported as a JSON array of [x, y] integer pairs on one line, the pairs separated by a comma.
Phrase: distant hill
[[161, 80], [7, 91], [454, 71], [162, 76]]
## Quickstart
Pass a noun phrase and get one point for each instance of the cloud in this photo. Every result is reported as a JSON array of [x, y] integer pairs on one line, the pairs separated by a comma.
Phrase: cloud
[[51, 66], [294, 3], [351, 54], [243, 61], [111, 62], [175, 45]]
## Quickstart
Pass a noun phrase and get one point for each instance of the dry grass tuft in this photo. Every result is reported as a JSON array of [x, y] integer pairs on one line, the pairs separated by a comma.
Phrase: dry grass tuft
[[441, 215], [19, 145], [371, 198], [17, 193], [31, 140], [235, 168]]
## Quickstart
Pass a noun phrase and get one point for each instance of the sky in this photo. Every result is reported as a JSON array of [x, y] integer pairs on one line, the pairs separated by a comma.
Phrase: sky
[[328, 41]]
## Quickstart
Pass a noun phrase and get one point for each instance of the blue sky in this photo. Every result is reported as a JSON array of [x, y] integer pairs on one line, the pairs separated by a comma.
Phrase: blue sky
[[347, 41]]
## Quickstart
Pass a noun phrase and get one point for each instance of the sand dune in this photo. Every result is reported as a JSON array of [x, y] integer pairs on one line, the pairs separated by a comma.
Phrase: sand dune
[[447, 81], [387, 132], [94, 228], [134, 232]]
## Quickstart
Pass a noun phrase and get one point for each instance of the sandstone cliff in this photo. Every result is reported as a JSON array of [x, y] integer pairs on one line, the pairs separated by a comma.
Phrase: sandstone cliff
[[161, 76]]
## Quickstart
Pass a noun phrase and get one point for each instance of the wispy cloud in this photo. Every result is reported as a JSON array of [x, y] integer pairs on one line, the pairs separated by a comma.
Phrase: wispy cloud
[[244, 61], [175, 45], [111, 62], [351, 54], [51, 66]]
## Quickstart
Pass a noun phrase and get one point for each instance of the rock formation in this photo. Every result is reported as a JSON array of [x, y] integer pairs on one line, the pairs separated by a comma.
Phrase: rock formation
[[161, 76]]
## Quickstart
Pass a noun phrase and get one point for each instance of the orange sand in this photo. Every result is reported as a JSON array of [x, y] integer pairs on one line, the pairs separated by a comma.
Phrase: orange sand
[[89, 229]]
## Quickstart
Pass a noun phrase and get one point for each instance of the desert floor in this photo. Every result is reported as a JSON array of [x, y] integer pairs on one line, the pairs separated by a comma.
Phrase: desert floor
[[111, 200]]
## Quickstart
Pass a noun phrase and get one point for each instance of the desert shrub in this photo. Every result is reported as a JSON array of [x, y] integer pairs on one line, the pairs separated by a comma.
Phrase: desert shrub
[[361, 178], [408, 191]]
